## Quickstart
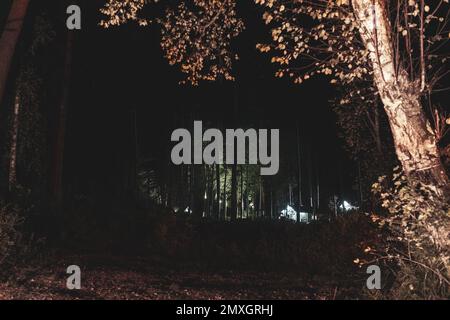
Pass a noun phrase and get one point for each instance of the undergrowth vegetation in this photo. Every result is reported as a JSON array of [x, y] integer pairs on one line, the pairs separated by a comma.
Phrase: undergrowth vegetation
[[316, 248], [418, 224], [9, 233]]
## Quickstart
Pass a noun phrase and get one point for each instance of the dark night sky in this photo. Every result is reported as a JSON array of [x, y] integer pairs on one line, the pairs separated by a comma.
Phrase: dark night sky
[[121, 70]]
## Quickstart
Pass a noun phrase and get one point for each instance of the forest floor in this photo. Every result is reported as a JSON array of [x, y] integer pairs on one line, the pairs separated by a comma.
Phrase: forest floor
[[124, 278]]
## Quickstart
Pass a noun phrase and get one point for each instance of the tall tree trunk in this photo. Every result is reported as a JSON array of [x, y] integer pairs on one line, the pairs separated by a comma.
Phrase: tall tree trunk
[[414, 140], [310, 181], [225, 192], [260, 199], [58, 151], [271, 204], [233, 213], [234, 208], [217, 203], [242, 191], [12, 178], [317, 187], [299, 172], [9, 39]]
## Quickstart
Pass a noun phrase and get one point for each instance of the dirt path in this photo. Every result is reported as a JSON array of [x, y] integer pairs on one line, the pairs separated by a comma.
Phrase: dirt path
[[139, 279]]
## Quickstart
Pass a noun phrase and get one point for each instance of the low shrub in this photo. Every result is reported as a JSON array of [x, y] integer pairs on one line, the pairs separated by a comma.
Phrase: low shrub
[[9, 233], [418, 224], [320, 247]]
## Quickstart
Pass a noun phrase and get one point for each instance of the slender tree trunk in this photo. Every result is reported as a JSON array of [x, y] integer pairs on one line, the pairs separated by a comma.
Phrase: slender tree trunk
[[9, 38], [58, 151], [13, 150], [414, 140], [242, 191], [225, 192], [317, 187], [207, 189], [217, 205], [246, 194], [361, 198], [271, 204], [233, 213], [260, 199], [211, 191], [299, 172], [310, 181], [234, 184]]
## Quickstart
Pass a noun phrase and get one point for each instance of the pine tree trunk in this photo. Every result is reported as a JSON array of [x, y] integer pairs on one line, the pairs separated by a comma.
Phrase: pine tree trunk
[[9, 39], [414, 140], [233, 213], [299, 172], [225, 192], [12, 179], [242, 192], [217, 203]]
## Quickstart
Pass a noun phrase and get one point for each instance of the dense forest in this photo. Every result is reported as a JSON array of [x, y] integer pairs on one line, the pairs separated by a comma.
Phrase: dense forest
[[346, 100]]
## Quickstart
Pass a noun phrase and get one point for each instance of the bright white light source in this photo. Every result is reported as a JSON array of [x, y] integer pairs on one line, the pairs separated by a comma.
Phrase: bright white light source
[[187, 210], [291, 214], [347, 206]]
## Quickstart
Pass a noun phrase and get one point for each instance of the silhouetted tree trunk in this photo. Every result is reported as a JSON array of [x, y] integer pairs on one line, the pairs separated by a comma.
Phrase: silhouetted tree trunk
[[374, 125], [217, 203], [225, 192], [9, 38], [58, 151], [317, 186], [211, 191], [310, 181], [271, 205], [299, 171], [198, 192], [260, 200]]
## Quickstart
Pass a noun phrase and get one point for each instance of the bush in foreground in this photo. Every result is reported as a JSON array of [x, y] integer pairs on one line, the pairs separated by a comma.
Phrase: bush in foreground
[[419, 243]]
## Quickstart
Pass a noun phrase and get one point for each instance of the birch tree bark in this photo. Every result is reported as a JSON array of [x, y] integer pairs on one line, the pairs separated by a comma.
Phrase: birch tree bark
[[9, 39], [414, 139]]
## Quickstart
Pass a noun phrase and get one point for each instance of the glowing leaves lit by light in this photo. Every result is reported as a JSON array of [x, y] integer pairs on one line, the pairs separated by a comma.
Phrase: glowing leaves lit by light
[[323, 37], [328, 47], [119, 12], [197, 36], [198, 39]]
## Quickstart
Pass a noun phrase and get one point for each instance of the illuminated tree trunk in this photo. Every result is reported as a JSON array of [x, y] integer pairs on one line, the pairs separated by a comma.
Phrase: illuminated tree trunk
[[233, 213], [9, 39], [414, 140], [12, 179]]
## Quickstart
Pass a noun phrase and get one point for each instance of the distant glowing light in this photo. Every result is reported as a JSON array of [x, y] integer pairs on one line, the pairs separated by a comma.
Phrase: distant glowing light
[[347, 206], [187, 210], [291, 214]]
